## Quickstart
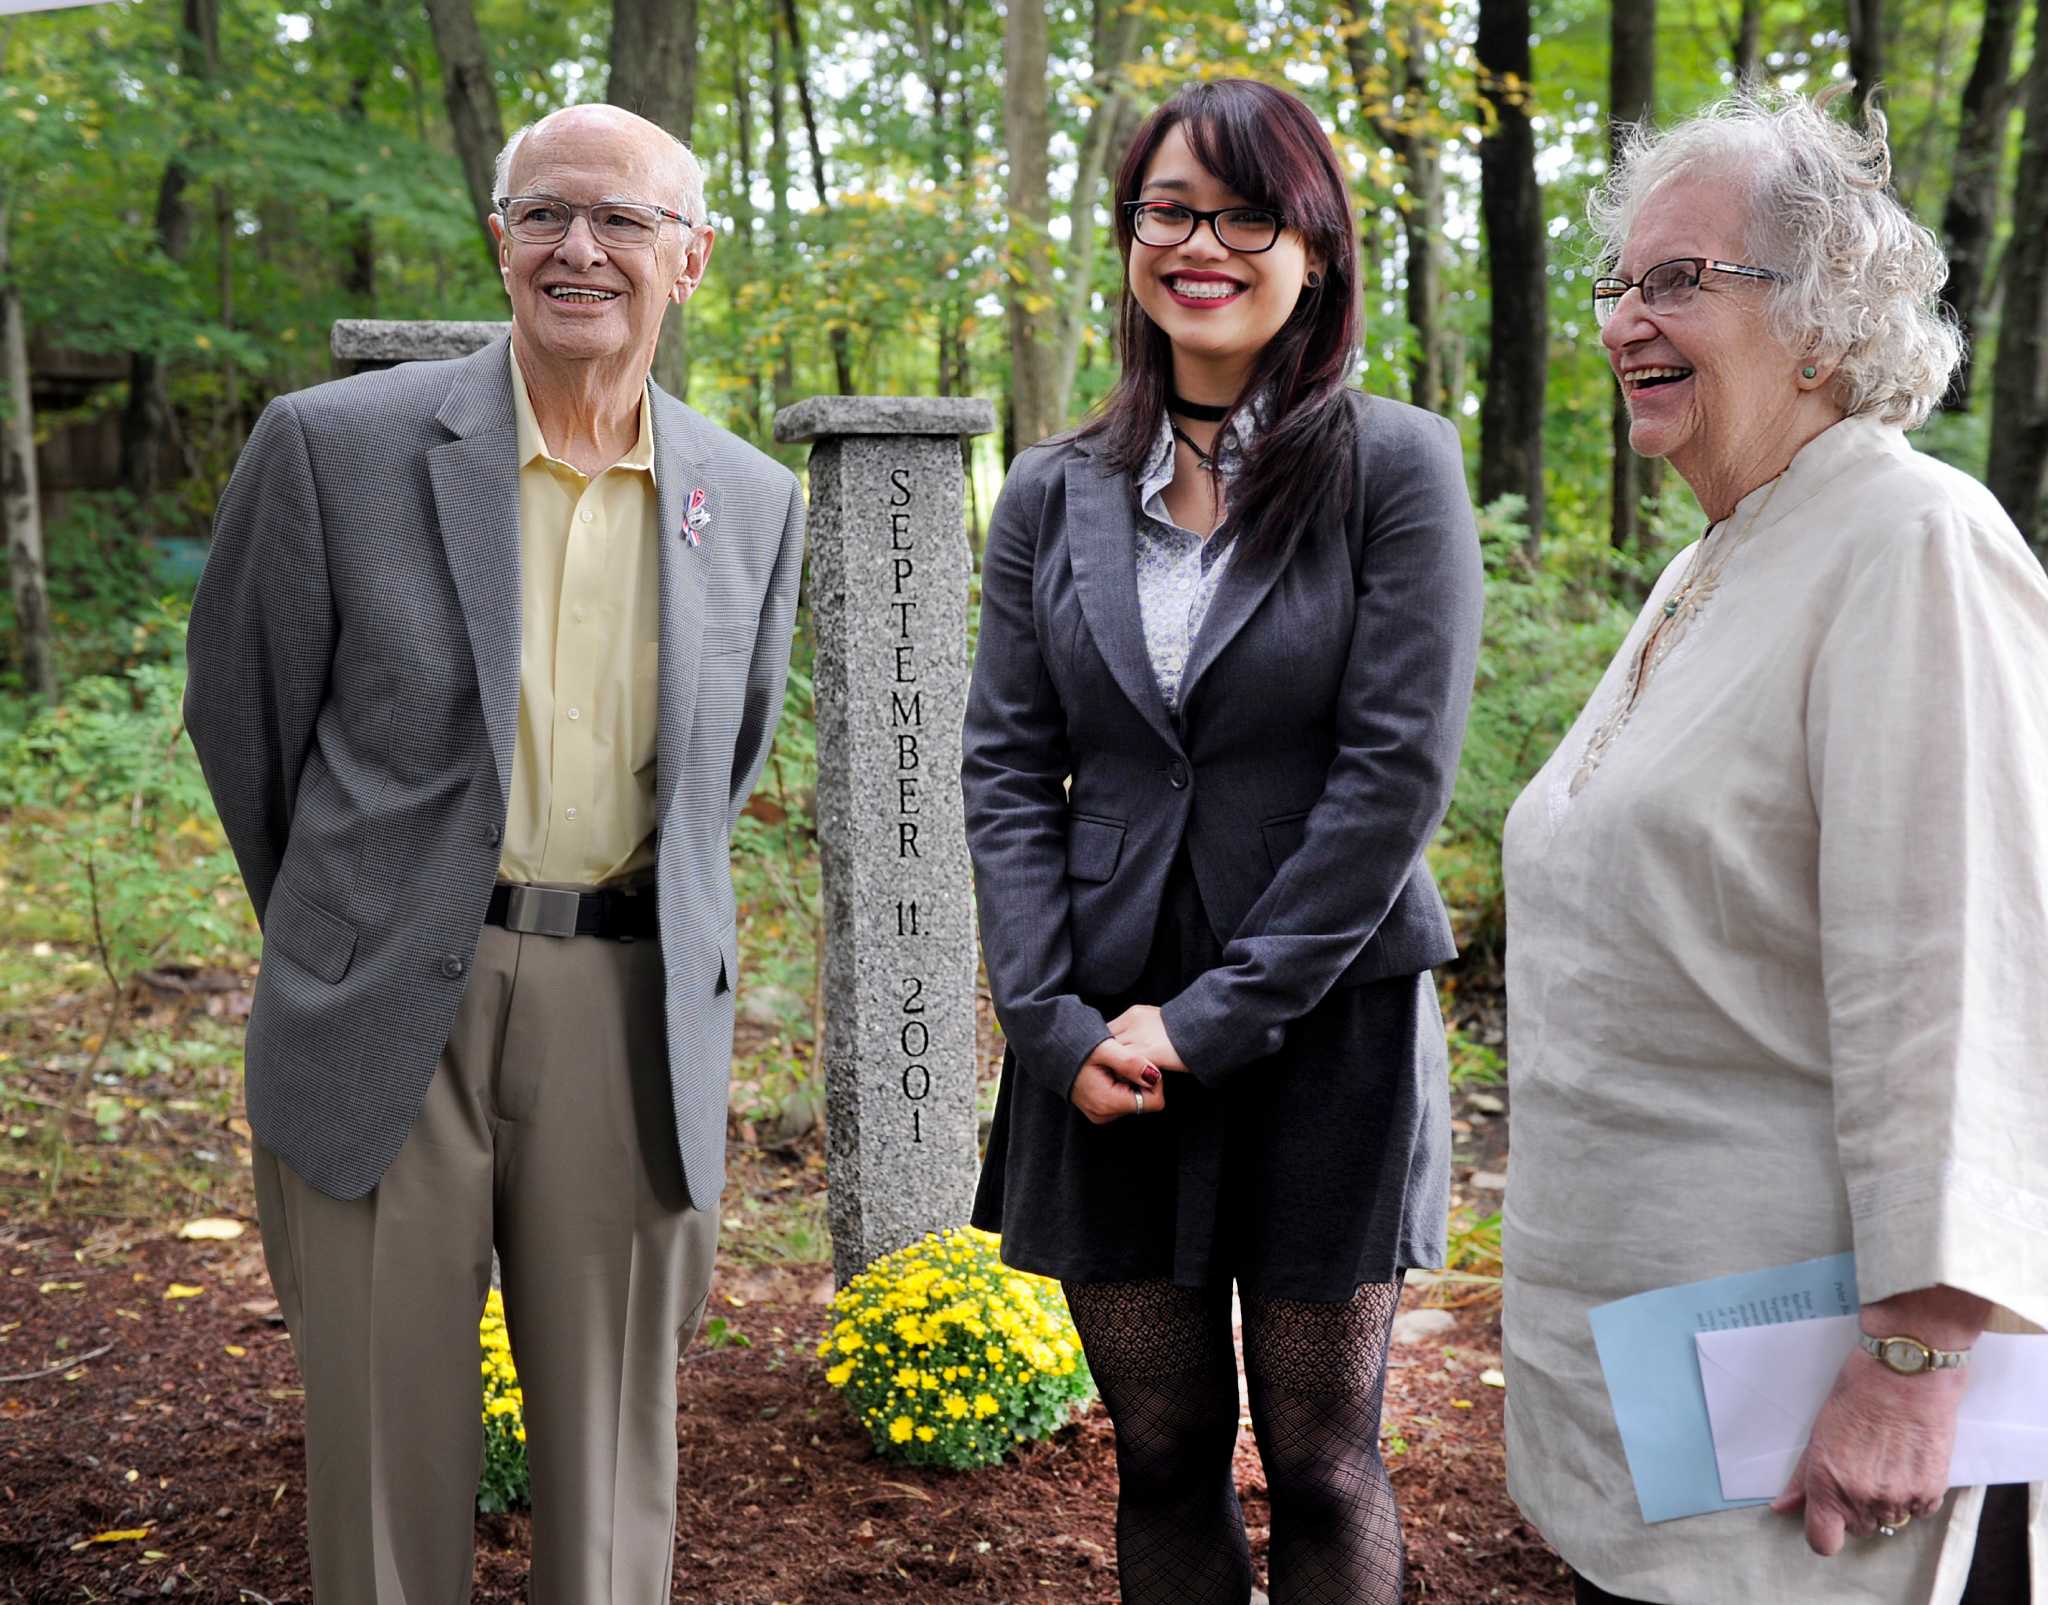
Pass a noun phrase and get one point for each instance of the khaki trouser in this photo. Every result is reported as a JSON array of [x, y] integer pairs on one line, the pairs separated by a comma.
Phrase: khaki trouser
[[547, 1131]]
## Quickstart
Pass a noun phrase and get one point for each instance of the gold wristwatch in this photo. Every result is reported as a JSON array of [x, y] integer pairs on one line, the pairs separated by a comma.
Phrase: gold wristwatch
[[1909, 1356]]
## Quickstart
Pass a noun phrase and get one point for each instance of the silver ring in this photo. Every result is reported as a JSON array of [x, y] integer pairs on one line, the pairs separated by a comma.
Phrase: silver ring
[[1138, 1098]]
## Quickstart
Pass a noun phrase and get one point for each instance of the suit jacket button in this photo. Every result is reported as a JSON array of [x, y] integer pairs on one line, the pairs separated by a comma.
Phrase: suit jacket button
[[1177, 775], [452, 966], [493, 836]]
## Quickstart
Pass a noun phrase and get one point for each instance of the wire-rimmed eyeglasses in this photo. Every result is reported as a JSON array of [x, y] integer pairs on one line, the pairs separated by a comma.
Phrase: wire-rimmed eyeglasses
[[1247, 230], [1667, 286], [617, 225]]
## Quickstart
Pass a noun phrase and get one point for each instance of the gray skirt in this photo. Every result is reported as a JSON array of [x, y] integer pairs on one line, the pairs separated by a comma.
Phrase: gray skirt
[[1314, 1171]]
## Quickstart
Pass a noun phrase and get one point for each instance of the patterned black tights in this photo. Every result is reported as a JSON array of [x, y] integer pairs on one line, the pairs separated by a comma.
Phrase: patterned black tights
[[1162, 1359]]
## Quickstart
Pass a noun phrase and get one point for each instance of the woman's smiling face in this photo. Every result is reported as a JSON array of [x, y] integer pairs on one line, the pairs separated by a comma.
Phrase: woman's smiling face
[[1219, 307]]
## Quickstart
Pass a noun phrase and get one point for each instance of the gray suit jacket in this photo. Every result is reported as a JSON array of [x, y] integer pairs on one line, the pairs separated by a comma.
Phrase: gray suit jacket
[[354, 687], [1322, 711]]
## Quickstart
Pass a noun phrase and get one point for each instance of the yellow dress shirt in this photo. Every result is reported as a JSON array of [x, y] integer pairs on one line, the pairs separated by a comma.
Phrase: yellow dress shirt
[[582, 804]]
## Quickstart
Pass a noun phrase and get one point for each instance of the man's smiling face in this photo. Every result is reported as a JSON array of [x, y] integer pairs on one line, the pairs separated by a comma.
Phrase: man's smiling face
[[579, 300]]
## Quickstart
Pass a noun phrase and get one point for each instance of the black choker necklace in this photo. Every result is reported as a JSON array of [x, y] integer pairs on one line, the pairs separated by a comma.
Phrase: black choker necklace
[[1195, 410]]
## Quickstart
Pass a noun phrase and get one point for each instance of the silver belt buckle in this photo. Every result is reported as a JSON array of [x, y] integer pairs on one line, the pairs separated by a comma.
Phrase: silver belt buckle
[[541, 911]]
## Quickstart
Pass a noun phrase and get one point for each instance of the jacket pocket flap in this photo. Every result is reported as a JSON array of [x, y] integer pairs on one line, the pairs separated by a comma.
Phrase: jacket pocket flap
[[1093, 847], [1283, 835], [320, 943]]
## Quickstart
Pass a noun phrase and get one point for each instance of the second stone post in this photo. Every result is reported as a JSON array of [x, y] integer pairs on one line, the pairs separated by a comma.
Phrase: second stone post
[[889, 580]]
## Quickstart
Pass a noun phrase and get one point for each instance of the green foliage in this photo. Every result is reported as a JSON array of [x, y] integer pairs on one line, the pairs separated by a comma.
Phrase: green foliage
[[1474, 1064], [107, 814], [1551, 628], [948, 1358]]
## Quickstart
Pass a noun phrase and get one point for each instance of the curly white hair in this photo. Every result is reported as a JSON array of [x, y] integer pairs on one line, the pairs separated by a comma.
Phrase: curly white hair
[[1859, 280]]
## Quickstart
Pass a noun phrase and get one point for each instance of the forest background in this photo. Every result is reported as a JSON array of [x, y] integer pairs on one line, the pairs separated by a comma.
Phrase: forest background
[[910, 197]]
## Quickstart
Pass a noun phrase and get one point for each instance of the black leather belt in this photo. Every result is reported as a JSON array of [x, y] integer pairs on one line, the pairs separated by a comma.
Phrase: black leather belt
[[623, 915]]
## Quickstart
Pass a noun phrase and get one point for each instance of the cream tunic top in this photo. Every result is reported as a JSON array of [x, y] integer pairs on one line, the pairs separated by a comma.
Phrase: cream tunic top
[[1778, 983]]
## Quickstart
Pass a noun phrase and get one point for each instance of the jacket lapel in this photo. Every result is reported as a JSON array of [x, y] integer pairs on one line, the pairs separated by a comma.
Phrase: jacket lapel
[[476, 495], [1102, 547], [1238, 595], [679, 469]]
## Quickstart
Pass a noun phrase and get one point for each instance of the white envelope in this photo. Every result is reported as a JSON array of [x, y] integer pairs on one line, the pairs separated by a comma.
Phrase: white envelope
[[1766, 1384]]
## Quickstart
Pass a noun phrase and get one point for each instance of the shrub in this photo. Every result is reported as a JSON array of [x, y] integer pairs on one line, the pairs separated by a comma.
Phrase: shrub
[[948, 1358], [1551, 629], [505, 1483]]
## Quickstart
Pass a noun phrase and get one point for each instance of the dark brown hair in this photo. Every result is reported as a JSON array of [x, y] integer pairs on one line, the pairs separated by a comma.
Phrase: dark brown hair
[[1267, 146]]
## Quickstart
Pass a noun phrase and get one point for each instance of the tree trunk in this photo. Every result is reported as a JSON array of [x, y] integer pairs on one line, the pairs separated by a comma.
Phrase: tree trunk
[[742, 187], [1115, 42], [1631, 98], [1028, 287], [779, 223], [1511, 207], [146, 419], [654, 74], [1407, 132], [472, 98], [2019, 378], [842, 357], [1749, 41], [1866, 49], [1971, 215], [20, 509]]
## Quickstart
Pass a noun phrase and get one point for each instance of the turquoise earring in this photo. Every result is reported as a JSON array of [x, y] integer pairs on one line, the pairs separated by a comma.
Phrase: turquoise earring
[[1809, 371]]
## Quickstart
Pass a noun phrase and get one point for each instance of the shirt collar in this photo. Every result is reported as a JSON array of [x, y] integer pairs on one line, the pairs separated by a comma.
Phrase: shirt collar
[[533, 445], [1157, 471]]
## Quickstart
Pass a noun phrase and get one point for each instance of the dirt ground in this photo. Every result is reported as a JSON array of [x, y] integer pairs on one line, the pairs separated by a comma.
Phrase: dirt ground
[[151, 1420]]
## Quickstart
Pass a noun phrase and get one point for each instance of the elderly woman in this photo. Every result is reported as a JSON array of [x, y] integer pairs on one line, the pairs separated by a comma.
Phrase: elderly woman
[[1778, 906]]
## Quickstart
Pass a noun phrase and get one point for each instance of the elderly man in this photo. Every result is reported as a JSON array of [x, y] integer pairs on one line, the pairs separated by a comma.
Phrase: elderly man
[[485, 659]]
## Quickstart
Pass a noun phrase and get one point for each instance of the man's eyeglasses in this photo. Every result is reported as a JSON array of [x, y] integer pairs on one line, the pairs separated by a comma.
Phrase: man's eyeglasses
[[1245, 229], [1667, 286], [616, 225]]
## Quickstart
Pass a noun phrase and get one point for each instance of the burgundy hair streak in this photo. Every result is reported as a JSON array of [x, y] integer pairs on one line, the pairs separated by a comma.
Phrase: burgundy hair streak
[[1267, 146]]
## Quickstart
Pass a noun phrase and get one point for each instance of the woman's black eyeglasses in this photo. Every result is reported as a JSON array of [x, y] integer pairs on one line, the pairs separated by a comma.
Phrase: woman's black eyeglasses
[[1247, 230], [1667, 286]]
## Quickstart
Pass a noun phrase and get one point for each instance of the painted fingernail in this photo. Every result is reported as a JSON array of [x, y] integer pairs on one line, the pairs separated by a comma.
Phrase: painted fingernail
[[1151, 1075]]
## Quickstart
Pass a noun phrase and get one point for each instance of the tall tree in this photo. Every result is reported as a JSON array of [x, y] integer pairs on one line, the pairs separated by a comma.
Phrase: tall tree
[[146, 420], [472, 98], [1407, 129], [782, 231], [792, 24], [1631, 98], [1971, 215], [2019, 378], [1028, 287], [1113, 42], [1748, 41], [1866, 49], [1511, 208], [654, 74], [20, 509]]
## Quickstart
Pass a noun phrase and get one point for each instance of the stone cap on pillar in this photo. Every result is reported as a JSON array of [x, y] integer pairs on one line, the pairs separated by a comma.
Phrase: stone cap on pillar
[[380, 342], [823, 417]]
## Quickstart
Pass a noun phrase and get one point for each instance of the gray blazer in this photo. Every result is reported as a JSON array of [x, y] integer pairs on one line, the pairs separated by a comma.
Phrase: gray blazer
[[354, 660], [1322, 711]]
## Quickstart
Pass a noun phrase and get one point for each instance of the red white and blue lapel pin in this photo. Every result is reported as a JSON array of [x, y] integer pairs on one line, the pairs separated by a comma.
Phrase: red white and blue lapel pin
[[696, 519]]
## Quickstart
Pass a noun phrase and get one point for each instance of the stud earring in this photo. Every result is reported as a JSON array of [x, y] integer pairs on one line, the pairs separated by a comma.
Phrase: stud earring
[[1808, 371]]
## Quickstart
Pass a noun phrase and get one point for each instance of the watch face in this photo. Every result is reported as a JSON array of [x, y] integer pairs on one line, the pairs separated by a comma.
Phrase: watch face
[[1903, 1356]]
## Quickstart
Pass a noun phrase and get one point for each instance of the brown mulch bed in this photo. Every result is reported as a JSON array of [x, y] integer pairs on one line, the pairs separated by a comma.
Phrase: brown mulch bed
[[170, 1434], [160, 1452]]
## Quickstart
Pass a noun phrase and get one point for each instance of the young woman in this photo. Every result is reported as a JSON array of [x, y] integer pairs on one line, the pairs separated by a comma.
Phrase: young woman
[[1227, 640]]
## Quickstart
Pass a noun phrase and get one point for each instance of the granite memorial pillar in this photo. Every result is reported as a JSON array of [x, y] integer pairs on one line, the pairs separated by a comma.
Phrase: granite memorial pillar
[[889, 577]]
